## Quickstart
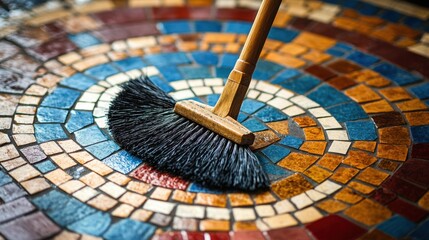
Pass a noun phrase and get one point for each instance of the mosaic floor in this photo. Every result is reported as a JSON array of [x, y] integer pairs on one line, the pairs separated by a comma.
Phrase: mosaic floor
[[339, 105]]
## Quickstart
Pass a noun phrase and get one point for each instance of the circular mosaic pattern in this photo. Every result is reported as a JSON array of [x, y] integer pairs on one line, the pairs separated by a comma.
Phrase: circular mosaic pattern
[[341, 133]]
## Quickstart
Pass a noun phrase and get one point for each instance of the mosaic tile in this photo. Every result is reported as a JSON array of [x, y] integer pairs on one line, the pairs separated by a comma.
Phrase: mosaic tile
[[346, 229], [368, 212], [291, 186], [34, 225], [61, 98], [129, 229]]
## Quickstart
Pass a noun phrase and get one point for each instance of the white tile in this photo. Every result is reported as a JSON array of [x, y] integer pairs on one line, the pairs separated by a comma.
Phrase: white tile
[[304, 102], [106, 97], [298, 11], [253, 83], [280, 221], [330, 8], [328, 187], [307, 215], [293, 111], [150, 71], [218, 89], [159, 206], [85, 106], [337, 135], [243, 214], [196, 83], [85, 194], [114, 90], [319, 112], [253, 94], [218, 213], [188, 211], [301, 200], [112, 189], [89, 97], [119, 45], [202, 91], [133, 74], [103, 104], [265, 210], [279, 103], [179, 85], [104, 84], [118, 78], [329, 123], [286, 94], [425, 38], [339, 147], [141, 42], [322, 16], [420, 48], [180, 95], [284, 206], [264, 97], [99, 112], [101, 122], [315, 195], [213, 82], [267, 87], [261, 225]]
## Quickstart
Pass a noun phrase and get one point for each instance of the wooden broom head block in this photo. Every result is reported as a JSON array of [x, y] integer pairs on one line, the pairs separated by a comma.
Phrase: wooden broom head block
[[227, 127]]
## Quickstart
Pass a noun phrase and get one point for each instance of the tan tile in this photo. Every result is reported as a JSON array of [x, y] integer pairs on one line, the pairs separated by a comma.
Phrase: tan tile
[[424, 201], [98, 167], [280, 221], [281, 127], [36, 90], [291, 186], [214, 225], [381, 106], [95, 50], [293, 49], [372, 176], [63, 161], [183, 196], [69, 58], [263, 198], [315, 41], [58, 177], [368, 212], [378, 82], [395, 94], [316, 57], [85, 194], [123, 211], [308, 215], [139, 187], [50, 148], [344, 174], [314, 147], [239, 199], [348, 195], [332, 206], [161, 194], [35, 185], [359, 159], [297, 161], [112, 189], [66, 235], [365, 145], [71, 186], [14, 163], [81, 157], [330, 161], [24, 173], [417, 118], [284, 60], [314, 133], [119, 178], [317, 174], [394, 152], [93, 180], [8, 152], [362, 188], [69, 146], [411, 105], [362, 94], [141, 215], [217, 200], [90, 62], [102, 202], [133, 199]]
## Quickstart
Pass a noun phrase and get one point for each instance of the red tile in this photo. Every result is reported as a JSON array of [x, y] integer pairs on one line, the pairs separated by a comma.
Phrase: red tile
[[407, 210], [239, 14], [117, 32], [383, 196], [121, 15], [219, 236], [325, 29], [201, 13], [296, 233], [334, 227], [169, 236], [246, 235], [320, 72], [52, 48], [416, 171], [170, 13], [420, 150], [54, 28], [301, 23], [404, 188], [150, 175], [195, 235]]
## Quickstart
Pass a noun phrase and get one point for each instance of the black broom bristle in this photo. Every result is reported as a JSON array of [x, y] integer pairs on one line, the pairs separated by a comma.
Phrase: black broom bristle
[[141, 119]]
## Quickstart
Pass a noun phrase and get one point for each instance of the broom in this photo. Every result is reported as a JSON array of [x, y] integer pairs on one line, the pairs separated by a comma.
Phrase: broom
[[194, 141]]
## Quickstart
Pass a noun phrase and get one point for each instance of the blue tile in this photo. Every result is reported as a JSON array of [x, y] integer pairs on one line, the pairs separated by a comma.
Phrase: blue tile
[[390, 15], [61, 208], [362, 130], [78, 81], [275, 153], [285, 75], [396, 74], [254, 125], [350, 3], [228, 60], [414, 22], [284, 35], [272, 169], [368, 9], [327, 96], [167, 59], [302, 84], [347, 112], [397, 226], [161, 84], [51, 115], [292, 142], [170, 27], [89, 135], [335, 52], [197, 188], [343, 46], [223, 72], [362, 58], [61, 98], [208, 26], [47, 132], [95, 224], [420, 134], [83, 40], [241, 117], [130, 230], [205, 58], [238, 27], [79, 120], [122, 162], [45, 166], [250, 106], [212, 99], [270, 114], [421, 91], [4, 179], [265, 70], [421, 232], [102, 71], [103, 149], [170, 73], [130, 63], [195, 72]]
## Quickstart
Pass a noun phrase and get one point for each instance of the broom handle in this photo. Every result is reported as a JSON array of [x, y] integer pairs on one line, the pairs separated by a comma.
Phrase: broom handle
[[239, 79]]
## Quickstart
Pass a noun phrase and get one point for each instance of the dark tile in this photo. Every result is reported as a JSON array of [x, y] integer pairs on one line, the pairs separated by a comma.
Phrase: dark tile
[[397, 227], [388, 119], [52, 48], [123, 31], [218, 235], [420, 150], [344, 229], [11, 82], [383, 196], [297, 233], [11, 192], [208, 26], [420, 134], [301, 23], [422, 231], [376, 235], [343, 66], [320, 72], [170, 13], [415, 171], [129, 229], [396, 74], [33, 154], [34, 226], [121, 15], [14, 209], [325, 29], [239, 14], [407, 210], [404, 188], [29, 36], [342, 82]]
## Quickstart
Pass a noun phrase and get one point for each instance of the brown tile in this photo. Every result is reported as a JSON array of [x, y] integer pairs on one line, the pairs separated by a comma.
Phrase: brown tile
[[293, 49], [376, 235], [388, 119], [263, 198], [305, 121], [343, 66], [394, 135], [263, 139], [388, 165], [365, 145], [182, 196], [330, 161], [315, 41], [344, 174], [417, 118], [384, 34], [348, 195], [320, 72], [372, 176], [291, 186], [316, 57], [395, 94], [317, 174], [393, 152], [362, 94], [412, 105], [218, 200], [214, 225], [284, 60], [402, 30], [245, 226], [380, 106], [314, 133], [239, 199], [362, 188], [297, 161], [331, 206], [378, 82], [368, 212], [342, 82], [313, 147], [359, 159]]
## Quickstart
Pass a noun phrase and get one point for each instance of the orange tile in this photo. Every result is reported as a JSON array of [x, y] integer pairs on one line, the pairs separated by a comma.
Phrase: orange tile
[[245, 226], [368, 212], [219, 37], [381, 106], [297, 161], [218, 200], [424, 201], [161, 194], [284, 60], [344, 174], [182, 196], [330, 161], [263, 198], [315, 56], [394, 152], [378, 82], [282, 18], [332, 206], [411, 105], [239, 199], [403, 30], [200, 3], [405, 42], [186, 46], [363, 75], [314, 133], [345, 23], [318, 174], [281, 127], [418, 118], [214, 225], [313, 147], [315, 41], [293, 49], [388, 165], [272, 44], [384, 34], [218, 48], [372, 176], [348, 195], [233, 47], [362, 188], [263, 139], [291, 186], [394, 135], [362, 94], [371, 20], [305, 121], [365, 145], [359, 159], [395, 94]]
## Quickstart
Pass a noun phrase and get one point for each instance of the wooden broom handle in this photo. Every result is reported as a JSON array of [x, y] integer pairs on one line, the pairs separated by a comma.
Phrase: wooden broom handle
[[239, 79]]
